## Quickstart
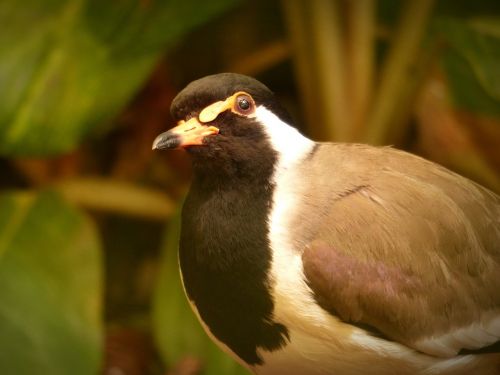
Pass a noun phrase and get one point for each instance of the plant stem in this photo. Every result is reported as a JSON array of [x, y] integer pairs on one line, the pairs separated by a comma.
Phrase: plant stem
[[397, 69], [330, 60], [361, 39], [115, 196], [264, 58], [298, 31]]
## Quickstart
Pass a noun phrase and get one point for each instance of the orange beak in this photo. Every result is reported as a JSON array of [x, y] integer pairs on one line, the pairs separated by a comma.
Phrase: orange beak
[[186, 133]]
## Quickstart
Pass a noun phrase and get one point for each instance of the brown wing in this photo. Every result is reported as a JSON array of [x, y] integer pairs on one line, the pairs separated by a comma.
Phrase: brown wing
[[406, 247]]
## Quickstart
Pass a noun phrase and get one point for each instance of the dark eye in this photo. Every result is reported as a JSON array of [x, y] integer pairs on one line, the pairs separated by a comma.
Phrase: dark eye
[[244, 104]]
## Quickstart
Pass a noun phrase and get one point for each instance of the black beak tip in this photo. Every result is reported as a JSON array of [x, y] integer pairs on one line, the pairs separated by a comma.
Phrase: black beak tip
[[166, 140]]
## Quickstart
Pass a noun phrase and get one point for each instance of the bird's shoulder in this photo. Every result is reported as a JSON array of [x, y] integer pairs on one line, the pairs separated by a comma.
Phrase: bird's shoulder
[[353, 182]]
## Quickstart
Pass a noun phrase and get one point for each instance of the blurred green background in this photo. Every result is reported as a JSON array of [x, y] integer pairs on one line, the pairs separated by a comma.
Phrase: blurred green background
[[89, 214]]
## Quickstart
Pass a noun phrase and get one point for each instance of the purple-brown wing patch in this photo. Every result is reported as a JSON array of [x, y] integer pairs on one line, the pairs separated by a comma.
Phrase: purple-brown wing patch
[[358, 291]]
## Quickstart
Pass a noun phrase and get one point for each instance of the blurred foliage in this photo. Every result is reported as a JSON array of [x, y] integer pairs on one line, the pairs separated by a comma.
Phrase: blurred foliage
[[86, 86], [50, 287], [471, 61], [68, 67]]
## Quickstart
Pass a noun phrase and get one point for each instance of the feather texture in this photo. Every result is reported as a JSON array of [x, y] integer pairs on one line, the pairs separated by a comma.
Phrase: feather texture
[[394, 242]]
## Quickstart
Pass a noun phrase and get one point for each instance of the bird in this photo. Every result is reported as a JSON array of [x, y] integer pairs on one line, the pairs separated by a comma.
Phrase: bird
[[317, 258]]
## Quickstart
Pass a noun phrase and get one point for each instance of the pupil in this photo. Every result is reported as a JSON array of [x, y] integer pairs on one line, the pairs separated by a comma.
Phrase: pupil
[[244, 104]]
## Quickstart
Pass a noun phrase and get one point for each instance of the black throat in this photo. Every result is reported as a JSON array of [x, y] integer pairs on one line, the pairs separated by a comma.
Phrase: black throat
[[225, 255]]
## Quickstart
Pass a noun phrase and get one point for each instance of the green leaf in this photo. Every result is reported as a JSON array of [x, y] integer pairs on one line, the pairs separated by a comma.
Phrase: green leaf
[[177, 331], [471, 62], [50, 287], [68, 66]]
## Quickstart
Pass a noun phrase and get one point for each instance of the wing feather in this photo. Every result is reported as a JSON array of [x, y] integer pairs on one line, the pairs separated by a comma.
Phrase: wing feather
[[405, 246]]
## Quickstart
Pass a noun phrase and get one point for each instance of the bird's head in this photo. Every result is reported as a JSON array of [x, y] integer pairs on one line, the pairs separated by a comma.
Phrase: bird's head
[[228, 117]]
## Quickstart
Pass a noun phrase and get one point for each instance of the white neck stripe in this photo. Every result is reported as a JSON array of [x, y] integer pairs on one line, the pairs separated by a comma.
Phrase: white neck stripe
[[290, 145]]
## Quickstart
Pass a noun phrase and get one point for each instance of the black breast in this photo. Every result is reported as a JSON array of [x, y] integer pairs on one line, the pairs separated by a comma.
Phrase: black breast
[[225, 258]]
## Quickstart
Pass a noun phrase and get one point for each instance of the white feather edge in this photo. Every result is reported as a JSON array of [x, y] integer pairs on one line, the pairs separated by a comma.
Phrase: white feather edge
[[475, 336]]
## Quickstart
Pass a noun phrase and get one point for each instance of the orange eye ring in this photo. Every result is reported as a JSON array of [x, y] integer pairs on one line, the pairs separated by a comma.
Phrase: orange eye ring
[[240, 103], [244, 104]]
